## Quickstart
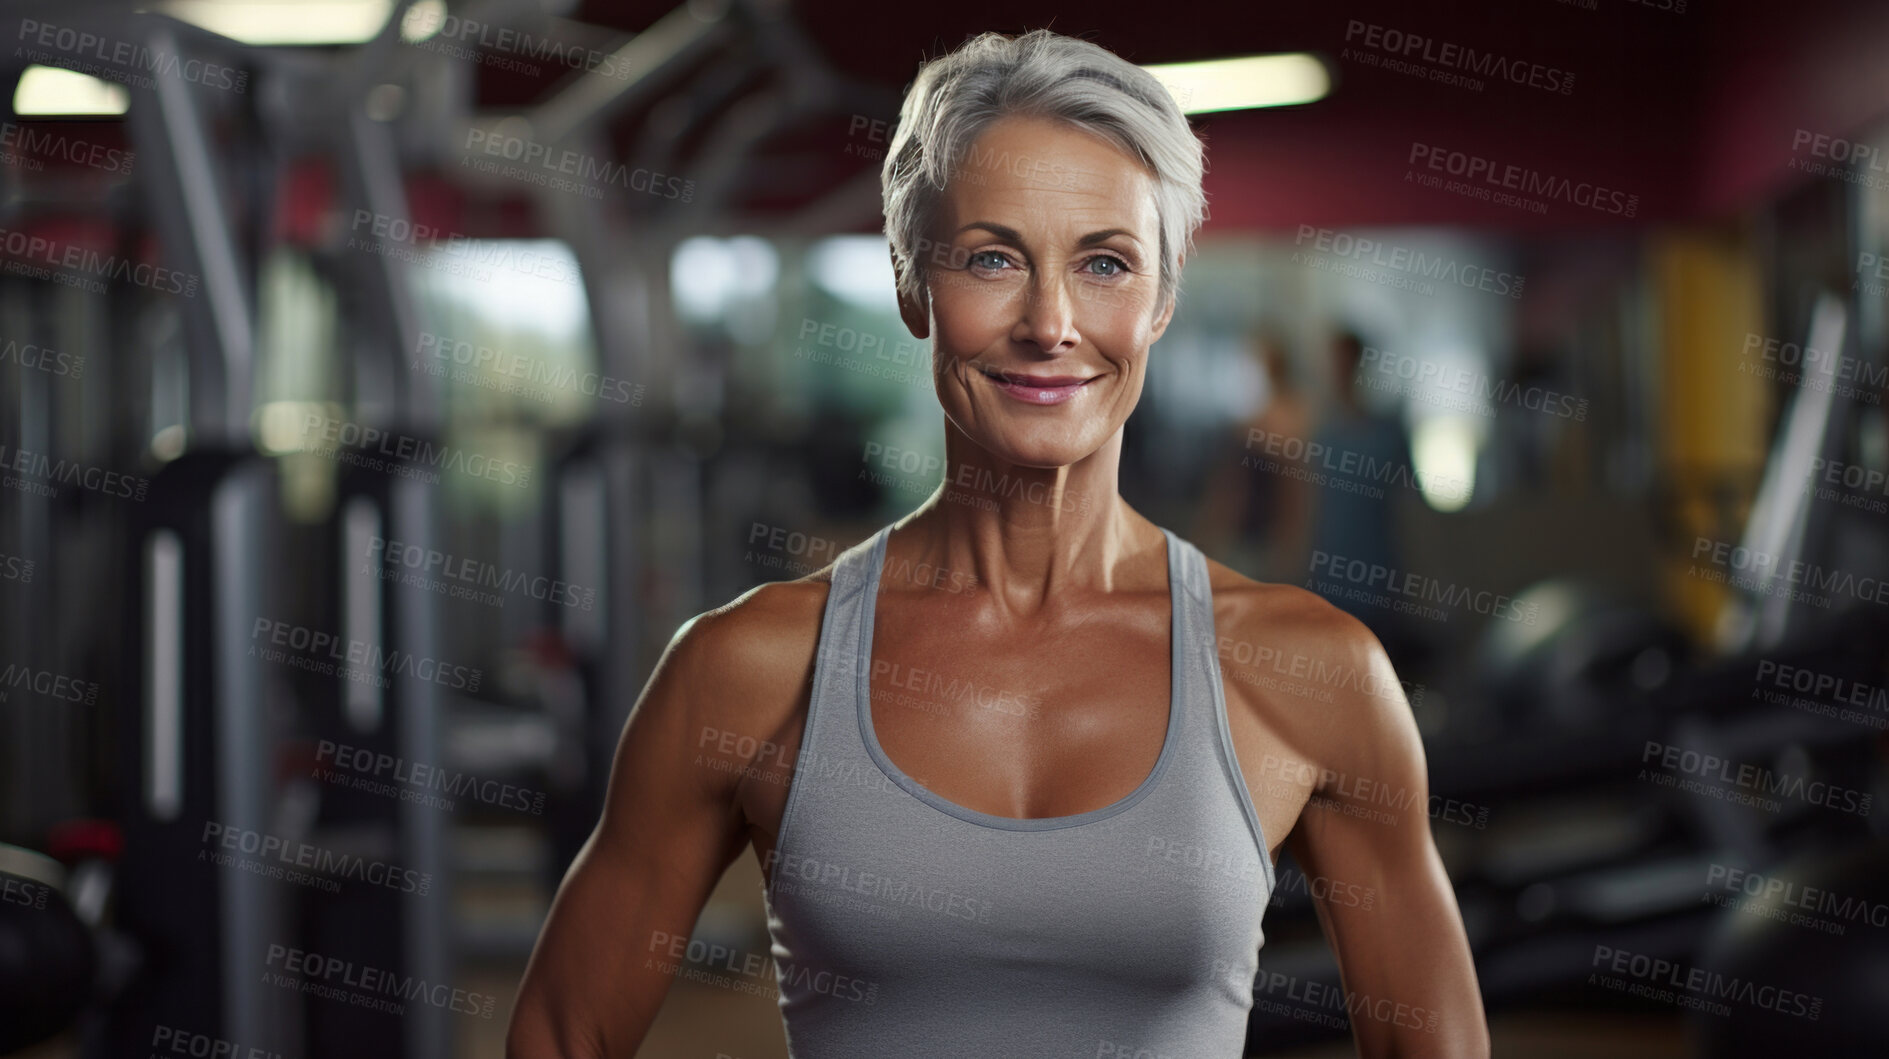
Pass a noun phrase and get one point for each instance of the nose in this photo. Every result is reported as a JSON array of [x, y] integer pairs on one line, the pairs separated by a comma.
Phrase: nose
[[1048, 320]]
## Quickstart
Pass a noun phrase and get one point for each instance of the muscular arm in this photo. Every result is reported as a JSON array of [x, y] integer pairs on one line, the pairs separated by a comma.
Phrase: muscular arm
[[1409, 980], [670, 827]]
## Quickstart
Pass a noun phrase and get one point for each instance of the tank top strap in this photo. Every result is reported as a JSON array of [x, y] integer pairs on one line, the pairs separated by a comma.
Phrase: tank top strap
[[1188, 565], [1195, 663], [836, 664], [1200, 691], [851, 567]]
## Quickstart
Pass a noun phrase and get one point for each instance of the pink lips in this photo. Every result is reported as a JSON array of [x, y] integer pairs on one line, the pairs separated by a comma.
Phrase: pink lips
[[1038, 389]]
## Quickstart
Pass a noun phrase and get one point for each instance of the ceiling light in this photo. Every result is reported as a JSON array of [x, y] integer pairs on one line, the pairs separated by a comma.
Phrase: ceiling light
[[47, 91], [1246, 82], [285, 21]]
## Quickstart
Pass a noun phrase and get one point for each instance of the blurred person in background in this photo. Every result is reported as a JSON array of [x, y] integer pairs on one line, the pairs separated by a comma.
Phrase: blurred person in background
[[1003, 800], [1259, 521], [1355, 514]]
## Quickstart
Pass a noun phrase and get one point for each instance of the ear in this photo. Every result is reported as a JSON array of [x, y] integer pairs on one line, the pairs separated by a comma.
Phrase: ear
[[914, 309], [1166, 312]]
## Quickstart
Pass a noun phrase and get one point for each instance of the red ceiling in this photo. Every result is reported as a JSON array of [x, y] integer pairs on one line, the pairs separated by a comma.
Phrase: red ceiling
[[1692, 111], [1695, 112]]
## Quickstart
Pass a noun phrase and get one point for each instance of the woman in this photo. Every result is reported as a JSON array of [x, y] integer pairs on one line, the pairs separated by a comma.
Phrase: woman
[[1005, 799]]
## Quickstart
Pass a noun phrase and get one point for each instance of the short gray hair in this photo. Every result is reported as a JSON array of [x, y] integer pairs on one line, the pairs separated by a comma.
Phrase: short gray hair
[[1039, 74]]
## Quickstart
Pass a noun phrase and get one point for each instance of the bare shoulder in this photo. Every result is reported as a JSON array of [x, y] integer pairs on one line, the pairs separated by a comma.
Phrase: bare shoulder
[[1309, 673], [745, 665], [1288, 626]]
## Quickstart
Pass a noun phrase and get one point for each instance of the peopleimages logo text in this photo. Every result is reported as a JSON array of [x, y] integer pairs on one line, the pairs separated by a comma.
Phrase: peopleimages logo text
[[1416, 586], [332, 655], [349, 434], [473, 572], [418, 774], [71, 262], [25, 142], [370, 987], [279, 857], [1414, 262], [1523, 180], [48, 473], [1451, 56], [544, 159]]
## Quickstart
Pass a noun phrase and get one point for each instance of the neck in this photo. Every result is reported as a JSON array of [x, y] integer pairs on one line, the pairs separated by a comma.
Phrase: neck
[[1027, 533]]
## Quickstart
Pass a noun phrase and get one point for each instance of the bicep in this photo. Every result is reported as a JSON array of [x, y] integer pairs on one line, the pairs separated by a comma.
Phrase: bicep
[[1381, 892], [1385, 902], [669, 828]]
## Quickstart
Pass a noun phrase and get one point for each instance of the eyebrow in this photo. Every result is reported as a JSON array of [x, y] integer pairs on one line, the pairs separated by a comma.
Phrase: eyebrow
[[1009, 234]]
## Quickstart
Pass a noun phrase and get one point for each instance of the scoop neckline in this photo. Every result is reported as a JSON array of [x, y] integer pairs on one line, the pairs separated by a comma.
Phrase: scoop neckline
[[875, 570]]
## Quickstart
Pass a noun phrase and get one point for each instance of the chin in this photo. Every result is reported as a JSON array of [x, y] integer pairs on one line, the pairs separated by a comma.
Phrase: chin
[[1038, 447]]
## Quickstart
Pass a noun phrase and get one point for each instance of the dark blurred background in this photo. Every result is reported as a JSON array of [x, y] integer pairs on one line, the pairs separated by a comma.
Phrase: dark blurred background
[[384, 382]]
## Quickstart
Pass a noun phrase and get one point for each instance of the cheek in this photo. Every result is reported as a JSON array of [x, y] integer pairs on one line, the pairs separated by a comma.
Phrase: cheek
[[1119, 321], [969, 316]]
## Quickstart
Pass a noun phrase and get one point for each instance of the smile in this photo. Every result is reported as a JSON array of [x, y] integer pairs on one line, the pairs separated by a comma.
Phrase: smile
[[1038, 389]]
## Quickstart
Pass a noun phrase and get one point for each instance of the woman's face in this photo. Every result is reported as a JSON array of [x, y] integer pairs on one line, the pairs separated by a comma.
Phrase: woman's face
[[1044, 291]]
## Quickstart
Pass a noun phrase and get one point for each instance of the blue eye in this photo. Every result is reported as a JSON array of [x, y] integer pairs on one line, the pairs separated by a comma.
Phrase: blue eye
[[988, 259], [1116, 267]]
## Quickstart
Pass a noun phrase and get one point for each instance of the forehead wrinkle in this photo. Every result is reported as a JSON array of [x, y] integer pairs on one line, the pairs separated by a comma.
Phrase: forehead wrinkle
[[1076, 183], [1100, 214]]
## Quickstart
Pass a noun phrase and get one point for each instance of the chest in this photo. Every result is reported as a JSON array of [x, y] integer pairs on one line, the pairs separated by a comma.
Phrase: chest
[[1053, 721]]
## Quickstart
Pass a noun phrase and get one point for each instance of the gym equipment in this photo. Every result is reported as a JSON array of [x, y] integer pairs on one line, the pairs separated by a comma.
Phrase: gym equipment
[[201, 544], [47, 958], [1579, 854], [1782, 938], [1588, 657]]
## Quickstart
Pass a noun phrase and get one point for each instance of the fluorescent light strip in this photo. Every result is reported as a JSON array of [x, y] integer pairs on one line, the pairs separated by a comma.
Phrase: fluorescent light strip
[[47, 91], [360, 529], [285, 21], [1244, 83], [164, 674]]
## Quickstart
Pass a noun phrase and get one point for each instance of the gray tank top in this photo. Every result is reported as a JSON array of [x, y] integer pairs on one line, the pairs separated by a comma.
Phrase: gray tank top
[[904, 924]]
